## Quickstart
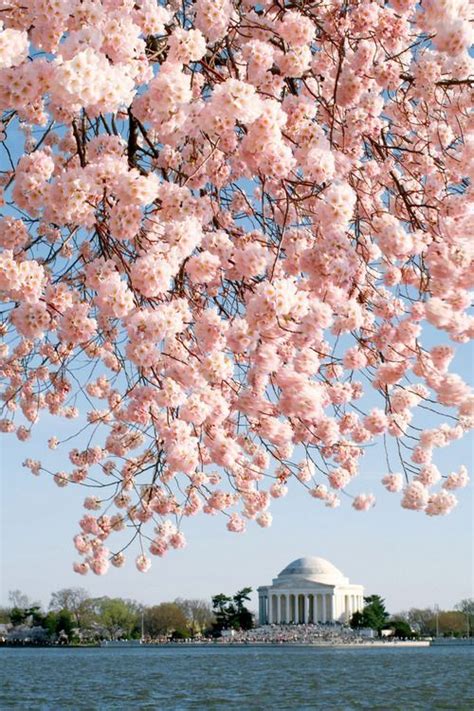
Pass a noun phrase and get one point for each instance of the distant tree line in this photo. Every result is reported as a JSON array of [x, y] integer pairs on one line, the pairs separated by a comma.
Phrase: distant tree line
[[74, 616], [445, 623], [428, 622]]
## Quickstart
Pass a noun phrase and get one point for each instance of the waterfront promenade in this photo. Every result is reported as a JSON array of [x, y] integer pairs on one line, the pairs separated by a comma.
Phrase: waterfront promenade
[[310, 635]]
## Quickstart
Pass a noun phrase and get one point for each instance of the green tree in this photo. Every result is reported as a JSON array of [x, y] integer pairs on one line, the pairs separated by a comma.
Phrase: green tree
[[374, 614], [224, 611], [199, 615], [448, 623], [164, 619], [50, 623], [451, 623], [239, 598], [244, 617], [423, 620], [23, 610], [26, 615], [116, 617], [466, 607], [76, 601], [230, 612], [17, 615], [401, 629], [357, 620], [64, 625]]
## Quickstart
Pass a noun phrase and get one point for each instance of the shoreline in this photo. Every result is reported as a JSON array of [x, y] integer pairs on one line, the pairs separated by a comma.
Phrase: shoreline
[[226, 645], [366, 644], [325, 645]]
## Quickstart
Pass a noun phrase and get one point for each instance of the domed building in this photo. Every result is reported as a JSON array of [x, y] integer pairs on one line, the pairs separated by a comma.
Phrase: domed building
[[309, 590]]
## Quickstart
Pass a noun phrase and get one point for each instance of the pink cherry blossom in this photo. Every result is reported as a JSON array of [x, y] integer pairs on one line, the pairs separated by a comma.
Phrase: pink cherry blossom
[[118, 560], [457, 480], [393, 482], [440, 504], [235, 249], [415, 496], [363, 502], [81, 568], [143, 563]]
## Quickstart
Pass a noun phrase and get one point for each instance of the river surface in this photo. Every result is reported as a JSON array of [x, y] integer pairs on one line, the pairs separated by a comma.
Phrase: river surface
[[244, 678]]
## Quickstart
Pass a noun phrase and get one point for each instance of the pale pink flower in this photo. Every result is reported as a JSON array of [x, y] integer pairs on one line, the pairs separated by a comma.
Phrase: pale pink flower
[[99, 566], [415, 496], [265, 519], [61, 479], [118, 560], [339, 478], [393, 482], [143, 564], [177, 540], [81, 568], [428, 475], [236, 524], [440, 504], [363, 502], [457, 480]]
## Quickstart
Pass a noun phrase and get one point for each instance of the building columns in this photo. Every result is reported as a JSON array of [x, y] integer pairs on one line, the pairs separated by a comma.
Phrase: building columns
[[351, 605], [263, 608], [273, 609], [293, 608], [302, 607], [306, 609], [331, 612]]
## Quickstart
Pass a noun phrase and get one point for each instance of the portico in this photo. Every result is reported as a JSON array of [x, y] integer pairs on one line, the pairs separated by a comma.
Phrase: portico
[[309, 590]]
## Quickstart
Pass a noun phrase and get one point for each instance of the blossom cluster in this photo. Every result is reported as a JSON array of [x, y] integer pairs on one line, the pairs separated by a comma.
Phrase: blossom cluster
[[227, 241]]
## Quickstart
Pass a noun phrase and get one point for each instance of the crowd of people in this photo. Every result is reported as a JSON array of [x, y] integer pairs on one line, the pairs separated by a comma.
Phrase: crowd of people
[[295, 634]]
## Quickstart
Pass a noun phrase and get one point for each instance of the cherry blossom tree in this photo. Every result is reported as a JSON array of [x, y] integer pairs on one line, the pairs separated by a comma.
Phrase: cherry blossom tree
[[229, 231]]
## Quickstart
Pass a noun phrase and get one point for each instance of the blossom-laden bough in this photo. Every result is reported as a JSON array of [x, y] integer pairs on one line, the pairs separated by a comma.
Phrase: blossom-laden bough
[[226, 226]]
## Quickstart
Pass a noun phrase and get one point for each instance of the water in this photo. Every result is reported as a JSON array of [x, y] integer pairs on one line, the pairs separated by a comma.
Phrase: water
[[236, 678]]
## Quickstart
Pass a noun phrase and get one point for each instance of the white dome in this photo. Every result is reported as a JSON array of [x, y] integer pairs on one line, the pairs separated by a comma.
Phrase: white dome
[[314, 569]]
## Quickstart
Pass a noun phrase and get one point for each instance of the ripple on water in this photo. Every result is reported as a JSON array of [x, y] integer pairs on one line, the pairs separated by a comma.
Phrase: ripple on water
[[236, 678]]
